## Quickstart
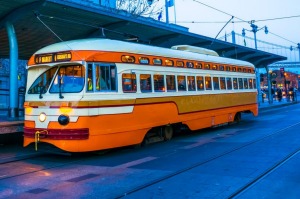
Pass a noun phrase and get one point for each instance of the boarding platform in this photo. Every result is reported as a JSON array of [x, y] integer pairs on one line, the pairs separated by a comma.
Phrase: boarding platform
[[8, 125], [265, 104]]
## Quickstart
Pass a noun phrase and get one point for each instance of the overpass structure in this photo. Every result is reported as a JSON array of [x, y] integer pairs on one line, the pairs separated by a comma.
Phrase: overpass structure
[[28, 25], [291, 65]]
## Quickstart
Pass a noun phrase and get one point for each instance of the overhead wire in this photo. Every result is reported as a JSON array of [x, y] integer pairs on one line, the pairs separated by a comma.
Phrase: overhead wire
[[219, 10], [259, 20], [39, 16], [242, 20], [282, 38]]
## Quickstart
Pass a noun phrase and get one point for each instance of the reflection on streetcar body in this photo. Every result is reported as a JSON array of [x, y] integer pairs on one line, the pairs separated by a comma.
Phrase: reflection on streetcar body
[[95, 94]]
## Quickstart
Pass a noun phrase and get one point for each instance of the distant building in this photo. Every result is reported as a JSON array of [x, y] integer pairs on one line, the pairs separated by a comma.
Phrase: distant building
[[281, 80]]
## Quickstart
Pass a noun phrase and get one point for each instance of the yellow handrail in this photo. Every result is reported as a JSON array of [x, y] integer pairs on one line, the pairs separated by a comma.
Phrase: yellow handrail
[[37, 137]]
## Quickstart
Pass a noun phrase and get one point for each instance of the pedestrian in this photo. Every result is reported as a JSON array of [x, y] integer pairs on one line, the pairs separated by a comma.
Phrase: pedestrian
[[279, 94]]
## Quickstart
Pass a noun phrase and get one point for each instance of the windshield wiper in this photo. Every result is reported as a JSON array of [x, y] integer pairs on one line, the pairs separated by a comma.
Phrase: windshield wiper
[[59, 86], [41, 91]]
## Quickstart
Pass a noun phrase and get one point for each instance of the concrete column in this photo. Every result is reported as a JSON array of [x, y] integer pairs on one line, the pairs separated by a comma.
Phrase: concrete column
[[13, 109]]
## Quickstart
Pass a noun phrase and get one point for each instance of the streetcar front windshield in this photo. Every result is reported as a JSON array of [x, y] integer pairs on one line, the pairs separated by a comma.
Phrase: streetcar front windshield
[[64, 79], [42, 83], [68, 79]]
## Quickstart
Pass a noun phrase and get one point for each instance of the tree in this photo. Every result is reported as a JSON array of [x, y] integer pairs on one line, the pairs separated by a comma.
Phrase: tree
[[146, 8]]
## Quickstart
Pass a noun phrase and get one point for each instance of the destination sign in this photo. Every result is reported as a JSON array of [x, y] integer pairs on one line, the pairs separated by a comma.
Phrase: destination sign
[[46, 58], [63, 56], [53, 57]]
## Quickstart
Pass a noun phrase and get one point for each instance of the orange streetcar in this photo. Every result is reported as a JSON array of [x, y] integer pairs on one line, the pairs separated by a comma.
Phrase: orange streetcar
[[94, 94]]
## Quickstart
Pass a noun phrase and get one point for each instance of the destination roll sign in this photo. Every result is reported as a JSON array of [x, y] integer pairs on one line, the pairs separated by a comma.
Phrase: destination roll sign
[[53, 57]]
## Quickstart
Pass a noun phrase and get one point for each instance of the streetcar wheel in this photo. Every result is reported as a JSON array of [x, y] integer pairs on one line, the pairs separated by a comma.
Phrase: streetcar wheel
[[146, 140], [238, 117], [168, 132]]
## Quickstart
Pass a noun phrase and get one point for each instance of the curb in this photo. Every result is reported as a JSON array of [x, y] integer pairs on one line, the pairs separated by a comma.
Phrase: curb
[[277, 105]]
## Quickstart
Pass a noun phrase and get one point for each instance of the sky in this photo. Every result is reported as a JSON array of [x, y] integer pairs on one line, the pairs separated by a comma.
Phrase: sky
[[287, 31]]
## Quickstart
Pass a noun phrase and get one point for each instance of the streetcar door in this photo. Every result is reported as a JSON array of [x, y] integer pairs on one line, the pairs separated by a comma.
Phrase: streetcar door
[[101, 77]]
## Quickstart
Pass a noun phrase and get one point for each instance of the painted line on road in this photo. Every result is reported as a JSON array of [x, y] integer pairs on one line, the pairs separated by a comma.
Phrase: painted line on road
[[201, 142], [136, 162]]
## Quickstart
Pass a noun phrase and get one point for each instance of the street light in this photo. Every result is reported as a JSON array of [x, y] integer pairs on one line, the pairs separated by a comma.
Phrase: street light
[[255, 29]]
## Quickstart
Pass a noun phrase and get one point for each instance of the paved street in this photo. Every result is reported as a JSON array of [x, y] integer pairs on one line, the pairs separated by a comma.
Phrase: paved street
[[255, 158]]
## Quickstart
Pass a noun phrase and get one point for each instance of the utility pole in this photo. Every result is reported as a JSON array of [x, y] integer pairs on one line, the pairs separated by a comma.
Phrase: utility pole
[[255, 30]]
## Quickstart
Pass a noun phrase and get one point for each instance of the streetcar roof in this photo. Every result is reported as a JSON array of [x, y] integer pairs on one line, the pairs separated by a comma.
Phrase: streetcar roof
[[102, 44]]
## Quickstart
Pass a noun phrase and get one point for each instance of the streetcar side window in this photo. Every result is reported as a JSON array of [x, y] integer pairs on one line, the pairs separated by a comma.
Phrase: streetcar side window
[[254, 83], [235, 83], [171, 83], [207, 66], [240, 83], [216, 83], [198, 65], [169, 62], [129, 83], [208, 82], [101, 83], [229, 83], [190, 64], [179, 63], [223, 83], [159, 84], [245, 83], [181, 83], [146, 83], [90, 78], [200, 83], [250, 83], [105, 77], [191, 83]]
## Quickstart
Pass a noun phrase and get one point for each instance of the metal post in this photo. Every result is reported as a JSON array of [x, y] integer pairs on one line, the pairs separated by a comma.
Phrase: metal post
[[298, 44], [167, 11], [255, 42], [259, 96], [270, 96], [13, 109], [233, 37], [285, 84], [254, 30]]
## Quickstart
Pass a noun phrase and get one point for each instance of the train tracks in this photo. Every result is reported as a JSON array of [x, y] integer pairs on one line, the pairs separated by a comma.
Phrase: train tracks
[[241, 189], [263, 175], [123, 167]]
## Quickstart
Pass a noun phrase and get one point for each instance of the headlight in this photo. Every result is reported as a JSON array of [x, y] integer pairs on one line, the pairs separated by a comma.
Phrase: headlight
[[42, 117], [63, 119]]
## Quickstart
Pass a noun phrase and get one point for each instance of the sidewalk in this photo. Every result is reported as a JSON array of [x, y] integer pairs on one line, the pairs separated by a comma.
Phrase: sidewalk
[[8, 125], [284, 102]]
